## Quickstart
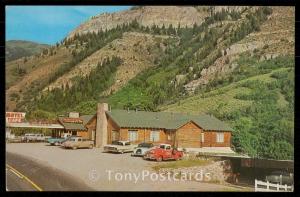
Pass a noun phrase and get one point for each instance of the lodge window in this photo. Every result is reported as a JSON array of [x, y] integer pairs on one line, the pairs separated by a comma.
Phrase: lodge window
[[132, 135], [154, 136], [169, 137], [202, 137], [220, 137]]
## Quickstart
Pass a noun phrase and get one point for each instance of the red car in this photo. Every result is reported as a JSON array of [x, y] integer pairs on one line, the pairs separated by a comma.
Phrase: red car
[[163, 152]]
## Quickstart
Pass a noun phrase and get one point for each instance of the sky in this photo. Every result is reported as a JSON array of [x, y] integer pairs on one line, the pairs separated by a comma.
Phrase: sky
[[48, 24]]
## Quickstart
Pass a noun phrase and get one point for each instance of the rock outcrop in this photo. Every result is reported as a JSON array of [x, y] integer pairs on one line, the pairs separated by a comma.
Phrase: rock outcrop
[[219, 171], [146, 16]]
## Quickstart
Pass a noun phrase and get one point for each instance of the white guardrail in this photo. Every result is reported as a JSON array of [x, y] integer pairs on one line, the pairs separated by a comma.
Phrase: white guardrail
[[261, 186]]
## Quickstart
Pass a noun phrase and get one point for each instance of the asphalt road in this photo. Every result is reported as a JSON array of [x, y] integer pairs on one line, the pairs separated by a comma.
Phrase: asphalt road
[[15, 182], [24, 174]]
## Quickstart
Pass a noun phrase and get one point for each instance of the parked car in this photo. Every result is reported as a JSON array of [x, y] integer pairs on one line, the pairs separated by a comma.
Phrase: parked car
[[142, 148], [78, 142], [33, 137], [14, 139], [163, 152], [281, 177], [59, 141], [10, 136], [119, 147]]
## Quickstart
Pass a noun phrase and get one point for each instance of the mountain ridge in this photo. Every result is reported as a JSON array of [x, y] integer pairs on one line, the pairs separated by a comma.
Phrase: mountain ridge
[[15, 49]]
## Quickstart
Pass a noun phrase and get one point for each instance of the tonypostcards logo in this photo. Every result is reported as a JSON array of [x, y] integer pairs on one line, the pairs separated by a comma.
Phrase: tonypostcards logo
[[135, 177], [94, 175]]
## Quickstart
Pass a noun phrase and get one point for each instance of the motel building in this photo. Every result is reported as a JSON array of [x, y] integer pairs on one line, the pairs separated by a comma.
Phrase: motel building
[[13, 117]]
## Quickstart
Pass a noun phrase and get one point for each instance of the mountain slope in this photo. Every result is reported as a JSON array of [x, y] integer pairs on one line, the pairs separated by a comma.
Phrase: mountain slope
[[37, 71], [136, 51], [275, 37], [15, 49]]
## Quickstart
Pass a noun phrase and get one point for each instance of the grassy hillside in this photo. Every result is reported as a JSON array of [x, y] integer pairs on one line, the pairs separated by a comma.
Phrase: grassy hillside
[[258, 103], [16, 49]]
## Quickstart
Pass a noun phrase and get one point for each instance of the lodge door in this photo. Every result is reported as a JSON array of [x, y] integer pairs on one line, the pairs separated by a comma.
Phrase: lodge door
[[201, 139]]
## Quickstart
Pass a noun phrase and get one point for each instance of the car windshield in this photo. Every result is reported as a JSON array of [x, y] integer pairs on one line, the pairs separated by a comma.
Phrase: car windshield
[[162, 146], [72, 139], [115, 143]]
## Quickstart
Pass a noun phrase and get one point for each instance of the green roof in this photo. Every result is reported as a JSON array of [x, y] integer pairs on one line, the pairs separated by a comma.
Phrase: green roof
[[165, 120], [86, 118]]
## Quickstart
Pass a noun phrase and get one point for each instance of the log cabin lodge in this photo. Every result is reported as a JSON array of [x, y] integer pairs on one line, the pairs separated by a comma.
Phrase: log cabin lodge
[[180, 130]]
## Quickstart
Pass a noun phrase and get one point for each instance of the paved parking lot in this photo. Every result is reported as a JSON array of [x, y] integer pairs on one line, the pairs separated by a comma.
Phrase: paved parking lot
[[106, 171]]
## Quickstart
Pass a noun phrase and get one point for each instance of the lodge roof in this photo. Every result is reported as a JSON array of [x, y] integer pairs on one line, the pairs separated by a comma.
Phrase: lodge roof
[[86, 118], [165, 120]]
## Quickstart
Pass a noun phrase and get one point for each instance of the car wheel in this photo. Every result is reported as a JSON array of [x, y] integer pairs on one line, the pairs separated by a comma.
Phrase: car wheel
[[74, 147], [159, 159], [56, 144]]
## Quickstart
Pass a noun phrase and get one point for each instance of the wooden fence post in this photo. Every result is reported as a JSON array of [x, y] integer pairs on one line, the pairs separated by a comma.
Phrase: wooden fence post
[[255, 184], [285, 187]]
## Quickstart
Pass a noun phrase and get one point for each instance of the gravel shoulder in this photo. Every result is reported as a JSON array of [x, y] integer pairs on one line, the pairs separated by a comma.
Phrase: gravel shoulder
[[106, 171]]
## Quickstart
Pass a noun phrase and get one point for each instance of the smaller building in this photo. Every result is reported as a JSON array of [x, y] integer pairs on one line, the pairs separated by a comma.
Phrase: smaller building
[[76, 125]]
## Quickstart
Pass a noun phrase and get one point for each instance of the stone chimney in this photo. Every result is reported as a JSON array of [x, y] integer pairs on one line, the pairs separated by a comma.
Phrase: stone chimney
[[101, 127]]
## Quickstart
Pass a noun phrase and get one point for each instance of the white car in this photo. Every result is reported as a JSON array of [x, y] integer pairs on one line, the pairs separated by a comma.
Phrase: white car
[[29, 137], [119, 147], [142, 148]]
